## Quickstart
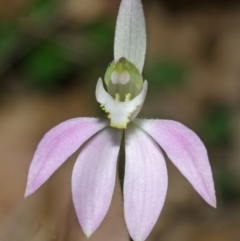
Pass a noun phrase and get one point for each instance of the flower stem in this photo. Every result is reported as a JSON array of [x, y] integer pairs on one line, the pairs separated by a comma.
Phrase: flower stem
[[121, 166], [121, 162]]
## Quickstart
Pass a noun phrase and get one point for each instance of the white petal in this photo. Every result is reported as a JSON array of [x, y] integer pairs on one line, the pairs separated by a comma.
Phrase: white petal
[[120, 112], [130, 36], [145, 183]]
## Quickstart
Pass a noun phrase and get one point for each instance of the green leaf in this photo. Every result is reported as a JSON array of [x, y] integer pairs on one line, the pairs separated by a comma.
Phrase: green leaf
[[227, 187], [101, 36], [46, 66], [216, 126], [8, 39], [165, 74], [42, 6]]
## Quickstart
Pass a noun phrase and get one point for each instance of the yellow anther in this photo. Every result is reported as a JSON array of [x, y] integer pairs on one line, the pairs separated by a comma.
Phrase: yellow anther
[[117, 97], [103, 108], [127, 97]]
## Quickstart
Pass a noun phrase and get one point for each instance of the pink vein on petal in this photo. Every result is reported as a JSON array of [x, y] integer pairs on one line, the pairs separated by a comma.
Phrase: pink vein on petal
[[56, 146], [145, 183], [93, 178], [186, 151]]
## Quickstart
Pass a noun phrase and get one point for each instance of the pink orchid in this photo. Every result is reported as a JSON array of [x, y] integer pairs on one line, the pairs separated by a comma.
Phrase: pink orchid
[[94, 173]]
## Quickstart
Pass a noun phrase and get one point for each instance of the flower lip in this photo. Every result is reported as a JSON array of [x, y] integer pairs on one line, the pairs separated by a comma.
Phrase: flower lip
[[123, 77], [120, 113], [125, 93]]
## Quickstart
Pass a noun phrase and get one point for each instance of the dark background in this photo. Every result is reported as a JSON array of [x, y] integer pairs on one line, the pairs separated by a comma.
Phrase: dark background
[[51, 55]]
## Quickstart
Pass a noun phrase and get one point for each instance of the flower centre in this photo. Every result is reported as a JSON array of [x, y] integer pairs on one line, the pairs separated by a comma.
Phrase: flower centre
[[125, 92]]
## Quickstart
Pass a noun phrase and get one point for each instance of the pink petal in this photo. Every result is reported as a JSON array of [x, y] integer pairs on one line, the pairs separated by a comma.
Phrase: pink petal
[[145, 183], [93, 178], [56, 146], [186, 151]]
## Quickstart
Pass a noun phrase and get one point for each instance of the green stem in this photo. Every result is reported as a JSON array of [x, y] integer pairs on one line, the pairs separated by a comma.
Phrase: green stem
[[121, 162], [121, 166]]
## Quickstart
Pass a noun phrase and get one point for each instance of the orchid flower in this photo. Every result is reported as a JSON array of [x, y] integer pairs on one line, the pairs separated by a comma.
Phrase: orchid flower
[[94, 173]]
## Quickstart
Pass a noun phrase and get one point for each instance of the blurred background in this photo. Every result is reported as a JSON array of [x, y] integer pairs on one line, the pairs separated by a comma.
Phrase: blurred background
[[51, 54]]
